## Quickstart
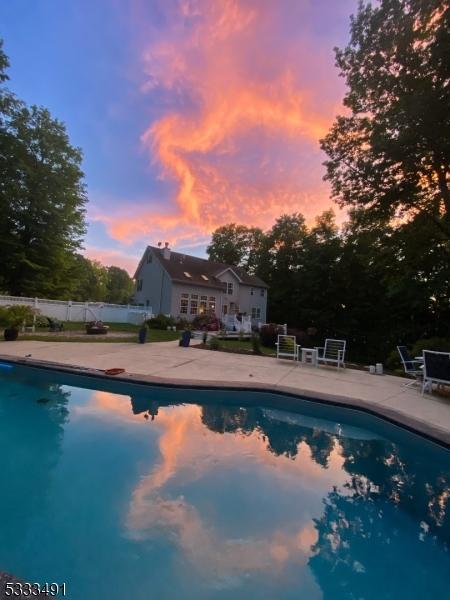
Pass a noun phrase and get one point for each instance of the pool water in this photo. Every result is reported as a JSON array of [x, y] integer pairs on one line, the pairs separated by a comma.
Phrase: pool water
[[127, 491]]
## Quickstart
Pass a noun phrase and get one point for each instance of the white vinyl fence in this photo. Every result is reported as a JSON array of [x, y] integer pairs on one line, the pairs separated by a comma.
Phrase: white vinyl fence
[[82, 311]]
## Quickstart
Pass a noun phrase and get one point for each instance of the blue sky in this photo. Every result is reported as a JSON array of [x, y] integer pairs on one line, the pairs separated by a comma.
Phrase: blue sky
[[190, 113]]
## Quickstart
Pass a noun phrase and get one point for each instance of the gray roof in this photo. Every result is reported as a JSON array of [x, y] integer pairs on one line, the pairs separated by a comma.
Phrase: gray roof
[[199, 268]]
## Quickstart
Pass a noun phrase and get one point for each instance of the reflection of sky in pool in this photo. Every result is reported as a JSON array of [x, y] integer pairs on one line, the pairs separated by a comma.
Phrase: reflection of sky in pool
[[127, 493]]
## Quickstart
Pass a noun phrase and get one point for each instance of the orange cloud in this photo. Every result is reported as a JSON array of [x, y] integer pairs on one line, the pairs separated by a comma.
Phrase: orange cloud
[[189, 452], [240, 134]]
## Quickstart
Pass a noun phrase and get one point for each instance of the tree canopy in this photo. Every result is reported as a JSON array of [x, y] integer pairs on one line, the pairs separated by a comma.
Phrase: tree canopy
[[42, 198], [373, 283], [391, 152]]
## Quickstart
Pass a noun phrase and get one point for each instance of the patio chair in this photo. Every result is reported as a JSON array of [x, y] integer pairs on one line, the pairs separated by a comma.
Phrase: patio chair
[[287, 347], [411, 366], [332, 353], [436, 369], [55, 325]]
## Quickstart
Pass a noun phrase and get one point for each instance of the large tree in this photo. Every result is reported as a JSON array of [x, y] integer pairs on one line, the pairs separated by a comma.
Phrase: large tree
[[42, 198], [390, 153], [236, 245]]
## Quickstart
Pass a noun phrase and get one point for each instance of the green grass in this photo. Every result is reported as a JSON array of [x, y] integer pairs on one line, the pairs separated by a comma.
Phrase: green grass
[[77, 326], [154, 335], [244, 345]]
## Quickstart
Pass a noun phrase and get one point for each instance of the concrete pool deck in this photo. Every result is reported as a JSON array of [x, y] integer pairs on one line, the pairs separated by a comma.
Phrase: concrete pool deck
[[166, 362]]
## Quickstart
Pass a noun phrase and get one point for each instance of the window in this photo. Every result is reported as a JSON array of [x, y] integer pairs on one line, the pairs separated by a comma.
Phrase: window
[[203, 301], [225, 309], [184, 305], [194, 307], [194, 296], [212, 303], [205, 278], [139, 285], [186, 274], [256, 313], [230, 288], [251, 291], [262, 292], [185, 295], [149, 257]]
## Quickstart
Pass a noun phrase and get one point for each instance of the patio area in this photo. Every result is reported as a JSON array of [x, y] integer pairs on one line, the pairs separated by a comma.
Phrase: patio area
[[166, 362]]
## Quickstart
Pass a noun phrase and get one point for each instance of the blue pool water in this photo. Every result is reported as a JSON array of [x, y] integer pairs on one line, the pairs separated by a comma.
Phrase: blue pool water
[[134, 492]]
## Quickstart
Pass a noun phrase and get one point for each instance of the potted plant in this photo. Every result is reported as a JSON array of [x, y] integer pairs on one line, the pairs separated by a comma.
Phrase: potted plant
[[14, 318], [143, 332]]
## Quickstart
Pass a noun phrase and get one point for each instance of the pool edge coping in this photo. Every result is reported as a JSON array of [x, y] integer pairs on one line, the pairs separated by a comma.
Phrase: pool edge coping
[[390, 414]]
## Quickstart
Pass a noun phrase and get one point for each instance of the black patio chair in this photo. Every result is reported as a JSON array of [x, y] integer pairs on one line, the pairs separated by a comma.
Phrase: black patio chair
[[55, 325], [436, 369]]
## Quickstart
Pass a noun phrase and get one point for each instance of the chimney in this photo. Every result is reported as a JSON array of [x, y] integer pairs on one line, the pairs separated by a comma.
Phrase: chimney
[[166, 251]]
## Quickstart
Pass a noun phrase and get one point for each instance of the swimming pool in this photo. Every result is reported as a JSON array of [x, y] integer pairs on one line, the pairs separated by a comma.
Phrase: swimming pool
[[131, 491]]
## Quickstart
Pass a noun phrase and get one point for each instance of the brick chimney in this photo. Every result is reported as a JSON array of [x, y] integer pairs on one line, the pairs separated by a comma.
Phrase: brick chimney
[[166, 251]]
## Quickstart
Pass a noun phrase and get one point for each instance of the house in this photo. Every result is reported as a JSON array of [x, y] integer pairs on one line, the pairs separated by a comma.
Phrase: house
[[184, 286]]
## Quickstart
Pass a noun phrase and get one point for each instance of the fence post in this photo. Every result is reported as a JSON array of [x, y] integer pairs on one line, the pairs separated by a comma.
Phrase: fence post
[[69, 310], [86, 308]]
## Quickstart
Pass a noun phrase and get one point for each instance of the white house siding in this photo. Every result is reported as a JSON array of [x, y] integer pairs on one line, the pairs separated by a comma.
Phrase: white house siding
[[248, 302], [178, 289], [231, 300], [156, 289]]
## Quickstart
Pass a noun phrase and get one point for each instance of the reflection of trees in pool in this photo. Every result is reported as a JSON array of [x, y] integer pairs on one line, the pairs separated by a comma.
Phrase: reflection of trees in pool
[[413, 481], [30, 447], [380, 471], [282, 438], [366, 548]]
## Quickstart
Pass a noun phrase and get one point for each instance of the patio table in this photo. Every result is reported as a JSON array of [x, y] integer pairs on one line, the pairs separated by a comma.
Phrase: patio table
[[309, 356]]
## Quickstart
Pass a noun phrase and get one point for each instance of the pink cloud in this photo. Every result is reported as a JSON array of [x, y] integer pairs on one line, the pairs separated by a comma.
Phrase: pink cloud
[[113, 257], [251, 103]]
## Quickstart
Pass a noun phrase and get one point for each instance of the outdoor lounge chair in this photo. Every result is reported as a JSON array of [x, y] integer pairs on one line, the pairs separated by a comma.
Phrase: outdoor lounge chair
[[332, 353], [55, 325], [412, 367], [436, 369], [287, 347]]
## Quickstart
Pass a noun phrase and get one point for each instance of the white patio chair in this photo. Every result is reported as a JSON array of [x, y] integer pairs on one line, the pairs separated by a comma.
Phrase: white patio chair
[[332, 353], [287, 347], [436, 369], [412, 367]]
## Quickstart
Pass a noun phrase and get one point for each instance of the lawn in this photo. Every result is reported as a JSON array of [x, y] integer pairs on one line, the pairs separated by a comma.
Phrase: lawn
[[154, 335], [244, 346]]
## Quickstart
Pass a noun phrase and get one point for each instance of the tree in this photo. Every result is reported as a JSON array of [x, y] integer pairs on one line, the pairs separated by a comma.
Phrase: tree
[[236, 245], [42, 198], [119, 286], [391, 154], [90, 280]]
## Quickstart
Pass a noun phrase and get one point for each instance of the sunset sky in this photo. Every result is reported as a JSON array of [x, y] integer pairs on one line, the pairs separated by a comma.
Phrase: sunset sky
[[190, 113]]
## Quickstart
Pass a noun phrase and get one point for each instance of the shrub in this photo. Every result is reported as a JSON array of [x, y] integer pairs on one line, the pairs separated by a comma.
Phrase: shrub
[[207, 321], [15, 316], [41, 321], [182, 324], [435, 343], [269, 334], [394, 363], [256, 343], [214, 343], [160, 322], [301, 337]]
